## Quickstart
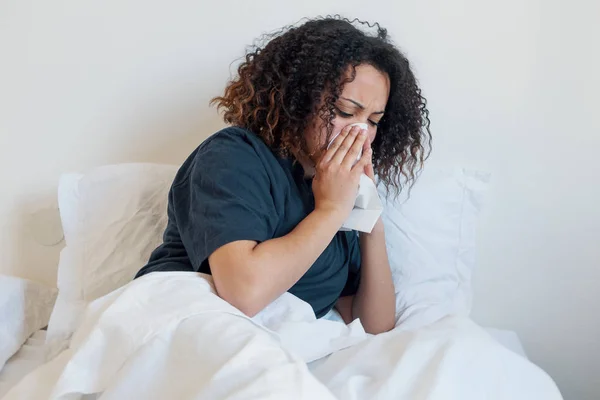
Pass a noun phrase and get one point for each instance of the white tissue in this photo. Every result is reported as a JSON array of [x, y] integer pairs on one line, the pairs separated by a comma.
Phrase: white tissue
[[367, 206]]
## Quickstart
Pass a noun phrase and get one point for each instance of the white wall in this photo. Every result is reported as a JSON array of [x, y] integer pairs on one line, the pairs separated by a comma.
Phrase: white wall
[[513, 88]]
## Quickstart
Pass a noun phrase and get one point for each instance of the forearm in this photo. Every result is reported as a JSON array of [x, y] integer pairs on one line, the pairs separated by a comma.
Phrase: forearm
[[283, 261], [257, 277], [374, 302]]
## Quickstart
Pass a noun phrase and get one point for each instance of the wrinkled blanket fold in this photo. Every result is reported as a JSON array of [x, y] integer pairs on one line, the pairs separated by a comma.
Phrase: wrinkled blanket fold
[[169, 336]]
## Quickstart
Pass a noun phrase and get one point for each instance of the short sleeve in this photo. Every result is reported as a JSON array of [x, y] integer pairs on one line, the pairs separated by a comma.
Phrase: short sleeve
[[225, 197], [354, 261]]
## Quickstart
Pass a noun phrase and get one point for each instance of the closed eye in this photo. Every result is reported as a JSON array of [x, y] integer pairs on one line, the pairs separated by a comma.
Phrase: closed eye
[[348, 115], [342, 114]]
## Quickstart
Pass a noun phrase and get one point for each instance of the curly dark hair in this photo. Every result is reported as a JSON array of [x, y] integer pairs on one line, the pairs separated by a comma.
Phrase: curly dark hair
[[300, 73]]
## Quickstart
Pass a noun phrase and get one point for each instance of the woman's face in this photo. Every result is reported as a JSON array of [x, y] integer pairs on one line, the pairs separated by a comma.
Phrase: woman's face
[[362, 100]]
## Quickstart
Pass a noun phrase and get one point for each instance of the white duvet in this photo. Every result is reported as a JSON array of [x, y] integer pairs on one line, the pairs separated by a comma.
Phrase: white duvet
[[168, 336]]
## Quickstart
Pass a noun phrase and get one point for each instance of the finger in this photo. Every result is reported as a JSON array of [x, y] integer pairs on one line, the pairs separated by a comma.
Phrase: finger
[[352, 156], [369, 170], [363, 163], [335, 144], [346, 145]]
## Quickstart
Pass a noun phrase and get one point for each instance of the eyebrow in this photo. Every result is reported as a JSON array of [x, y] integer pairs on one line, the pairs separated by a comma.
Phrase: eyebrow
[[357, 104]]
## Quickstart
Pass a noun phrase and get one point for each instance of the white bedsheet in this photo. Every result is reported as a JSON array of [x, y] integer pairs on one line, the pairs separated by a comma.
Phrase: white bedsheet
[[31, 355], [167, 336]]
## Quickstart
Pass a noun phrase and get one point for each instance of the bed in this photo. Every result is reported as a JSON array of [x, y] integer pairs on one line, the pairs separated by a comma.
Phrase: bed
[[111, 338]]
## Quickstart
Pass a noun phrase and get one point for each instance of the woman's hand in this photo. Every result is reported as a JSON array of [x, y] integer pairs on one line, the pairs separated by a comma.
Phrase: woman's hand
[[336, 181]]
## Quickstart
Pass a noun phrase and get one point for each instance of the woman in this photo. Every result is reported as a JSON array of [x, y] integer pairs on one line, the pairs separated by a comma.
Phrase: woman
[[259, 205]]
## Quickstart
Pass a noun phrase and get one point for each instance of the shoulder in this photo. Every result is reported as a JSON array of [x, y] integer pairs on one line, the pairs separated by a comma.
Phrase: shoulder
[[235, 139], [232, 150]]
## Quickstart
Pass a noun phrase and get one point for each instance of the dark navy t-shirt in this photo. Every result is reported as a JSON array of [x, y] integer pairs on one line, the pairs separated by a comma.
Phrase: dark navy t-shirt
[[233, 187]]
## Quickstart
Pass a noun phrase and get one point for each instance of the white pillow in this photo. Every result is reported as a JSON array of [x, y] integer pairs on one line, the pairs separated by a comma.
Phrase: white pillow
[[25, 307], [113, 218], [431, 244]]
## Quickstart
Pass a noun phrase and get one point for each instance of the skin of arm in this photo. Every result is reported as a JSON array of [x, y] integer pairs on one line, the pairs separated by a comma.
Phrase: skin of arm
[[249, 275], [375, 301]]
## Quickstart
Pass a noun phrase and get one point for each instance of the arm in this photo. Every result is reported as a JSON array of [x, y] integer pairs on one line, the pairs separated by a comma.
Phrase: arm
[[374, 302], [249, 275]]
